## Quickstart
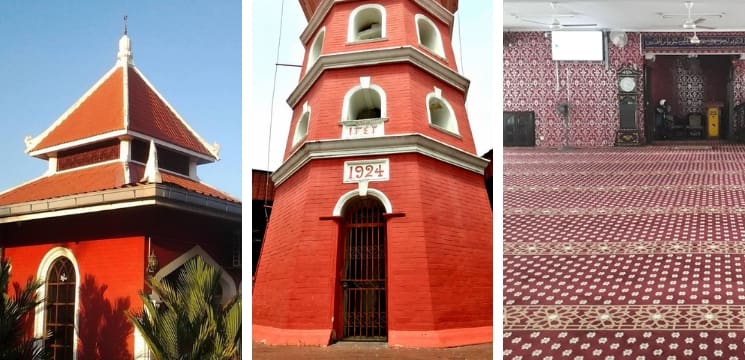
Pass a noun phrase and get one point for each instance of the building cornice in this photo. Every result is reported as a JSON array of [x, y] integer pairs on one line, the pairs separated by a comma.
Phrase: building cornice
[[141, 195], [383, 145], [431, 6], [407, 54]]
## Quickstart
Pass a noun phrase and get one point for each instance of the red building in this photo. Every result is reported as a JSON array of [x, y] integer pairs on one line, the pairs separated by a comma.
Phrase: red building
[[380, 229], [121, 200]]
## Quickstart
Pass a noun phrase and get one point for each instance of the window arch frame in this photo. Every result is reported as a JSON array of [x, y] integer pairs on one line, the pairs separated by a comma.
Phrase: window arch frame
[[304, 116], [439, 49], [40, 313], [315, 49], [352, 32], [227, 282], [348, 97], [452, 126]]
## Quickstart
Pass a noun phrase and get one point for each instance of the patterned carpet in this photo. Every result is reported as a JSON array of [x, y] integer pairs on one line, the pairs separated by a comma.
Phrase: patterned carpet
[[625, 253]]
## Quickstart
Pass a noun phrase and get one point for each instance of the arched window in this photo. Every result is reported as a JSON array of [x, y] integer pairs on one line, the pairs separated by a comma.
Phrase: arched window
[[363, 113], [315, 50], [440, 112], [57, 315], [366, 22], [428, 35], [364, 104], [366, 101], [301, 129], [60, 308]]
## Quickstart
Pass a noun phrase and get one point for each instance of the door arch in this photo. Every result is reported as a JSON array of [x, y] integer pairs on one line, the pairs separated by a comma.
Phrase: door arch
[[364, 315]]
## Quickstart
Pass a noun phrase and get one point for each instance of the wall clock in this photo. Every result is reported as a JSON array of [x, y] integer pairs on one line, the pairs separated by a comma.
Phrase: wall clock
[[627, 84]]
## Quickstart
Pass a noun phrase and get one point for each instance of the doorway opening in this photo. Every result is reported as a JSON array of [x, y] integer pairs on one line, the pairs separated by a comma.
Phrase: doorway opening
[[364, 315], [688, 97]]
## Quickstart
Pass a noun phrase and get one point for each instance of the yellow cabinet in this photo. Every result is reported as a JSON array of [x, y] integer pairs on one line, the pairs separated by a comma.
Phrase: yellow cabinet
[[713, 121]]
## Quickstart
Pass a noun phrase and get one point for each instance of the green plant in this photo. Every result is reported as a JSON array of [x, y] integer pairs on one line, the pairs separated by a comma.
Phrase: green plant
[[15, 316], [190, 322]]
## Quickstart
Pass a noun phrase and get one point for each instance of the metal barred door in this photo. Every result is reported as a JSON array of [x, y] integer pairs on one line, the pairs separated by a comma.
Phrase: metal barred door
[[363, 281]]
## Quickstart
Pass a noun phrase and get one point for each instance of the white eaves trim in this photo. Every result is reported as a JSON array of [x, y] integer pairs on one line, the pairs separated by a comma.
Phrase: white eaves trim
[[383, 145], [408, 54], [141, 195], [431, 6]]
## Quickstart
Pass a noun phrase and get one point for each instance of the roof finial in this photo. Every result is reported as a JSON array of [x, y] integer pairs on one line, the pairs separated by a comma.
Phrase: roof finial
[[125, 47]]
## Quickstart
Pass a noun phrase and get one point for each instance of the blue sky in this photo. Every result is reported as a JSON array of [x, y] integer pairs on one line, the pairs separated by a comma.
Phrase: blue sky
[[474, 22], [53, 51]]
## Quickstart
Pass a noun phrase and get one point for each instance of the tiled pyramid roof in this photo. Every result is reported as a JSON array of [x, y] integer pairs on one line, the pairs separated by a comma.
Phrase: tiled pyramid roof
[[106, 110], [121, 103]]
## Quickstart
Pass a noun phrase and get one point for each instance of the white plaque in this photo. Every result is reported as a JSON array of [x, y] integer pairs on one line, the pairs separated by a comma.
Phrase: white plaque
[[355, 129], [366, 170]]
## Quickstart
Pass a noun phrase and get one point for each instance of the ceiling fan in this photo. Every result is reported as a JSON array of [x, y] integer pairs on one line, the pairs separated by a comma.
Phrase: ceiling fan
[[555, 24], [690, 23]]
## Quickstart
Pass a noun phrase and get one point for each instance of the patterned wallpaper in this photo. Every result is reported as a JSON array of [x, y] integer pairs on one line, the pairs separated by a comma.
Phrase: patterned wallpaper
[[689, 84], [533, 82]]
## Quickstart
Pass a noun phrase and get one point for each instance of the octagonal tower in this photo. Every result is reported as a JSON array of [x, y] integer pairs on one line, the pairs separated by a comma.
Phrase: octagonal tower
[[381, 227]]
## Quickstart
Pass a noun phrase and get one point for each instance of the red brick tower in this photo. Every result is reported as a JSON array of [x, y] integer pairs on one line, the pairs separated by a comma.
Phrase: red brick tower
[[381, 226]]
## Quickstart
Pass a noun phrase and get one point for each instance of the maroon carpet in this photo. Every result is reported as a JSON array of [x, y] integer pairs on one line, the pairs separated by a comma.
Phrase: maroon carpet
[[625, 253]]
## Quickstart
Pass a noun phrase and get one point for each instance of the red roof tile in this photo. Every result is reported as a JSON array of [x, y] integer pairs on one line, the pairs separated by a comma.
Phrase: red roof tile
[[103, 110], [262, 185], [149, 115], [85, 180], [97, 178], [99, 113], [137, 171]]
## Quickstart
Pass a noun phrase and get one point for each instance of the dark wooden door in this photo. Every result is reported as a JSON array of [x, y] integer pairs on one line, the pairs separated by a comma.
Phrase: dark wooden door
[[519, 128]]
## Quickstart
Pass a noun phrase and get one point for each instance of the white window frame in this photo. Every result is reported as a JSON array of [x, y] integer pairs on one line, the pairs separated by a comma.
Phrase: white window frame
[[305, 116], [40, 311], [354, 193], [452, 125], [316, 48], [364, 84], [352, 28], [438, 48]]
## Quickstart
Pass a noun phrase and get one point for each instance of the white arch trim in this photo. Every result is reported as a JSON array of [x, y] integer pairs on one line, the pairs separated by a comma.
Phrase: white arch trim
[[452, 125], [352, 32], [348, 96], [41, 274], [316, 48], [355, 193], [303, 123], [438, 48], [228, 285]]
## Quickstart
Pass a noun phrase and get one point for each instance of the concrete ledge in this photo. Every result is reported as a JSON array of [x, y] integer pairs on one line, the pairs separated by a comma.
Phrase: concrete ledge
[[298, 337], [441, 338], [139, 195]]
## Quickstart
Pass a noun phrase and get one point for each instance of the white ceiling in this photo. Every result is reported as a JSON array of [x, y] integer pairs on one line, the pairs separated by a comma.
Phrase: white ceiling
[[623, 15]]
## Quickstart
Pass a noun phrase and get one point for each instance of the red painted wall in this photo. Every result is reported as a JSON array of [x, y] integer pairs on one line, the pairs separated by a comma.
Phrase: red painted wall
[[406, 88], [439, 253], [533, 82], [111, 276], [400, 30], [111, 249]]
